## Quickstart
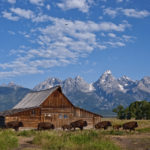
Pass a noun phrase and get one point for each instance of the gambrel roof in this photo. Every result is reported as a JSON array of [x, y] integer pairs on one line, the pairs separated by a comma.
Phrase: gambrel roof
[[35, 99]]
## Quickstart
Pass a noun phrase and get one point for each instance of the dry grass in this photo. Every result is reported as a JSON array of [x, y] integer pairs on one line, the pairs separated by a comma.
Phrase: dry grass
[[141, 123]]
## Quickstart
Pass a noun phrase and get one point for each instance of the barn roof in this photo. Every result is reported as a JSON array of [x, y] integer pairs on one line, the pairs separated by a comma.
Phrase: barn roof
[[35, 98], [12, 111]]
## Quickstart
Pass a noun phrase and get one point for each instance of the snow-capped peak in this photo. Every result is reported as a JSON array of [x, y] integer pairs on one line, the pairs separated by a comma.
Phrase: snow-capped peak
[[50, 82], [91, 87], [78, 78], [107, 72], [125, 78]]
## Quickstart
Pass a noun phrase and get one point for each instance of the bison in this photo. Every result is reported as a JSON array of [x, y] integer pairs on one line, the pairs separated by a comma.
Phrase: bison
[[103, 124], [66, 126], [78, 124], [116, 127], [14, 124], [130, 125], [45, 126]]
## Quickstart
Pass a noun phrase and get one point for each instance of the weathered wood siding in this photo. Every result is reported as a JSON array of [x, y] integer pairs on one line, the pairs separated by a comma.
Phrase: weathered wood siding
[[56, 100]]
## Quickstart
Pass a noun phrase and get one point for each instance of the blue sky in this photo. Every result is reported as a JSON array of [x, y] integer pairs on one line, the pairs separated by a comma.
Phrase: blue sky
[[66, 38]]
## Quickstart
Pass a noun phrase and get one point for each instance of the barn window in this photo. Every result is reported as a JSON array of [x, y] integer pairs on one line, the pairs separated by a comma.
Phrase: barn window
[[60, 116], [49, 115], [33, 112], [65, 116]]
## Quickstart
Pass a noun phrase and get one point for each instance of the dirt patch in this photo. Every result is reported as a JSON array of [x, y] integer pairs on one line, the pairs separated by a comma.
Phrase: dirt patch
[[25, 143], [133, 142]]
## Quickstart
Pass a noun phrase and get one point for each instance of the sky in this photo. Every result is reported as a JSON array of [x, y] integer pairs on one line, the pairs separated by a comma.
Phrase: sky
[[66, 38]]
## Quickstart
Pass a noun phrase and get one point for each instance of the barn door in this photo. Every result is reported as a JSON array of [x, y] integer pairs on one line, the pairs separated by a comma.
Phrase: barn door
[[2, 121]]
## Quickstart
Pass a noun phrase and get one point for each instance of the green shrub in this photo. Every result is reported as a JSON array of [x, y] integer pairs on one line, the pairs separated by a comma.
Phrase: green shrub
[[8, 140], [26, 133], [144, 130]]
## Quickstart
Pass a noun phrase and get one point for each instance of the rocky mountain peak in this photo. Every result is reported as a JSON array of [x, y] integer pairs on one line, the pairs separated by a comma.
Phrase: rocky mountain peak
[[50, 82], [10, 84], [107, 72], [78, 78], [125, 78], [76, 84], [125, 81], [106, 77], [144, 84], [108, 83]]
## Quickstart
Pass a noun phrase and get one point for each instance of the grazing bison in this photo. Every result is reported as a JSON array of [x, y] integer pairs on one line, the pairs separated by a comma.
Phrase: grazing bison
[[130, 125], [103, 124], [14, 124], [116, 127], [66, 126], [78, 124], [45, 126]]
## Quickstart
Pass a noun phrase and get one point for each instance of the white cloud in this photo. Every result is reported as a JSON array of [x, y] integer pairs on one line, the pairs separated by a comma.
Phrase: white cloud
[[128, 38], [111, 12], [48, 7], [135, 14], [82, 5], [11, 32], [12, 1], [104, 0], [108, 26], [9, 16], [28, 14], [37, 2], [41, 18], [60, 43], [127, 12], [119, 1], [112, 35], [116, 44]]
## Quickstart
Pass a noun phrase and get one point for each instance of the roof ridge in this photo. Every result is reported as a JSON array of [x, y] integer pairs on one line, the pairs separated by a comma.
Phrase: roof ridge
[[57, 86], [35, 98]]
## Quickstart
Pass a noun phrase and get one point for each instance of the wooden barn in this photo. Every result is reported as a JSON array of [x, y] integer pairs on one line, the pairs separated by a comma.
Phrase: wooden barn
[[49, 105]]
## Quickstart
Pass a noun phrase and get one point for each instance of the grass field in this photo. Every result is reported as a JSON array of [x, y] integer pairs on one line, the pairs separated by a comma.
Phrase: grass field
[[8, 140], [79, 140]]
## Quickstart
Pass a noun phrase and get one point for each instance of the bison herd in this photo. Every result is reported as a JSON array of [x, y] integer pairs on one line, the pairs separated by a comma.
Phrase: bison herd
[[76, 124], [81, 124], [73, 125], [126, 126]]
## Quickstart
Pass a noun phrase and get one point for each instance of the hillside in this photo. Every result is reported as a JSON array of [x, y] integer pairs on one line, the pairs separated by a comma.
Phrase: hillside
[[10, 95]]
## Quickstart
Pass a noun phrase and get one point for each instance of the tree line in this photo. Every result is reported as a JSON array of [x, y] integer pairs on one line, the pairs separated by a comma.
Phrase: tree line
[[138, 110]]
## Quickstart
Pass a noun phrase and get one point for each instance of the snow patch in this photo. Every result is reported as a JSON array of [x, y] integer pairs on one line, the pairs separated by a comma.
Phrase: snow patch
[[121, 88], [91, 87]]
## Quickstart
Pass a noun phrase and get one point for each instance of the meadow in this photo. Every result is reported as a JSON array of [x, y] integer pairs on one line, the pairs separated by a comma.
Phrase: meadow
[[90, 139]]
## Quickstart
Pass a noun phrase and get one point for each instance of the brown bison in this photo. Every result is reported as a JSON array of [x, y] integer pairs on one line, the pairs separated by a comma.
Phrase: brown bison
[[66, 126], [130, 125], [116, 127], [45, 126], [103, 124], [78, 124], [14, 124]]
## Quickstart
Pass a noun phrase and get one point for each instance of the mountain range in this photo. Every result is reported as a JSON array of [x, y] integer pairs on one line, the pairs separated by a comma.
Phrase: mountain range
[[10, 95], [100, 96]]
